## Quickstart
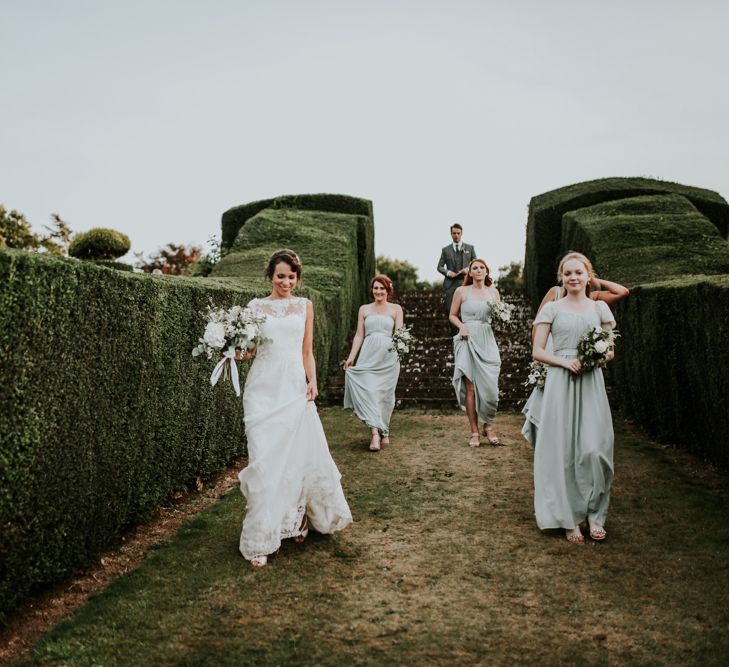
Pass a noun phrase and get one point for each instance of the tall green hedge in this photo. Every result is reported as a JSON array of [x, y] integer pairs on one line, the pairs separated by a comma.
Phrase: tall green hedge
[[671, 369], [670, 372], [544, 222], [336, 249], [103, 412]]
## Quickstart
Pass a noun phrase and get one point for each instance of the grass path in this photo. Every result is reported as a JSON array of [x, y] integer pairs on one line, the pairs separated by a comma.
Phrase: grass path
[[444, 565]]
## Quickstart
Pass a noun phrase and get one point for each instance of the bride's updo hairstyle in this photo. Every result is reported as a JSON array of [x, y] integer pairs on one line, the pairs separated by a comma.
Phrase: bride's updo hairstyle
[[287, 256], [468, 280], [588, 267], [386, 282]]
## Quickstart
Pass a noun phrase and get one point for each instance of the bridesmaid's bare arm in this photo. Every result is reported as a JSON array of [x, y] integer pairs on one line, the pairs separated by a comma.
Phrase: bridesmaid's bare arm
[[399, 316], [357, 340], [540, 353], [609, 292], [453, 316]]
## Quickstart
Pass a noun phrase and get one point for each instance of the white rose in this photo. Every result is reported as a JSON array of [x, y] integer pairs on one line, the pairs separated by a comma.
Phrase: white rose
[[601, 346], [214, 335], [400, 345], [234, 312], [506, 316], [250, 331], [598, 330]]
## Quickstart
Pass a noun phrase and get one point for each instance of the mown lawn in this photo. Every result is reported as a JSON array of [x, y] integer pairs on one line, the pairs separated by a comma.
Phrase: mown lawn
[[444, 565]]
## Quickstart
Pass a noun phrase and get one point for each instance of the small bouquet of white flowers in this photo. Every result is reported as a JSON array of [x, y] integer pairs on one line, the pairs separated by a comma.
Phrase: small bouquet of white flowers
[[402, 341], [594, 346], [225, 332], [537, 375], [501, 315]]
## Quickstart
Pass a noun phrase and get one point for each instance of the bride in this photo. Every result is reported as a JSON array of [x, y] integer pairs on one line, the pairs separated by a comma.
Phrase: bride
[[291, 480]]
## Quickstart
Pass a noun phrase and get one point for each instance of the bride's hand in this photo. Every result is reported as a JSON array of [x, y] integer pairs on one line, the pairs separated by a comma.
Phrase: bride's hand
[[311, 391], [247, 356]]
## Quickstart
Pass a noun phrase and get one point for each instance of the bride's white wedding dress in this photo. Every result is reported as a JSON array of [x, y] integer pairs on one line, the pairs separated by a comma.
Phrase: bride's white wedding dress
[[290, 471]]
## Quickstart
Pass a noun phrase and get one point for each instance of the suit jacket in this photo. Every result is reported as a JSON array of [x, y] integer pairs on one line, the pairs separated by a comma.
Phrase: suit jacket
[[450, 260]]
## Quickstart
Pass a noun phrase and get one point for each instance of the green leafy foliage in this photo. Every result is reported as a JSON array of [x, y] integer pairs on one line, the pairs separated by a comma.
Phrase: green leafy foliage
[[404, 275], [511, 277], [15, 231], [99, 243], [103, 412]]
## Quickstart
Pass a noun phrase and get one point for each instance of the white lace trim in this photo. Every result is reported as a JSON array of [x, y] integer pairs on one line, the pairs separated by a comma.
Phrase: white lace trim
[[280, 307]]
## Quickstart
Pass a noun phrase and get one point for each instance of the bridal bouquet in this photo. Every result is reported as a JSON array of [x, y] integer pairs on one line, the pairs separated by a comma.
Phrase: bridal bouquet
[[594, 346], [537, 375], [500, 315], [225, 332], [402, 341]]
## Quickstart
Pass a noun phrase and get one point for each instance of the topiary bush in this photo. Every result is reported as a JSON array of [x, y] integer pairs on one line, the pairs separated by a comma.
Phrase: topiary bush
[[99, 243], [103, 411], [544, 223]]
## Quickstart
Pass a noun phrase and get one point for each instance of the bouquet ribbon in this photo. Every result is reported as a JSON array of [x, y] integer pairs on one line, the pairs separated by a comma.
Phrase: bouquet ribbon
[[228, 356]]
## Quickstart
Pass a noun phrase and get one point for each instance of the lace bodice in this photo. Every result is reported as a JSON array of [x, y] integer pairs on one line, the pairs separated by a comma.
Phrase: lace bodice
[[283, 328]]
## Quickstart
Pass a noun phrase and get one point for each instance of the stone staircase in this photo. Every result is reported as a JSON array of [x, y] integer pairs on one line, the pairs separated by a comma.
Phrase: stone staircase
[[425, 375]]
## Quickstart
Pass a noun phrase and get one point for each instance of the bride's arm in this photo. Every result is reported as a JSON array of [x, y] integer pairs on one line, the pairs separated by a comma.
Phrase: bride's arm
[[308, 351]]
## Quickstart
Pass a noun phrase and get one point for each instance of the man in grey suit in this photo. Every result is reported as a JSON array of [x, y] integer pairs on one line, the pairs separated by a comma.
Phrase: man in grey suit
[[453, 264]]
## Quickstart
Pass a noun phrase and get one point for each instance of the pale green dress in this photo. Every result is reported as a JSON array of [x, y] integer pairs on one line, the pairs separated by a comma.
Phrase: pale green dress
[[477, 358], [573, 464], [369, 386]]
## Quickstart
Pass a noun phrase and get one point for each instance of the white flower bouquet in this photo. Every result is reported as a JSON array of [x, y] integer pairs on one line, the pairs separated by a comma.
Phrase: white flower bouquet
[[537, 375], [501, 315], [225, 332], [402, 342], [593, 348]]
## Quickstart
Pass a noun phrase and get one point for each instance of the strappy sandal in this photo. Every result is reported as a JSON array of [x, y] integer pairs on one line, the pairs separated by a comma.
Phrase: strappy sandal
[[304, 530], [573, 538], [258, 562], [493, 439], [598, 534], [475, 440]]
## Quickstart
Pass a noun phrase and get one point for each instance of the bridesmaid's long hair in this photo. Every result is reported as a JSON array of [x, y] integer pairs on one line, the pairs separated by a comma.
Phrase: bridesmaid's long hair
[[588, 266], [386, 282], [468, 280]]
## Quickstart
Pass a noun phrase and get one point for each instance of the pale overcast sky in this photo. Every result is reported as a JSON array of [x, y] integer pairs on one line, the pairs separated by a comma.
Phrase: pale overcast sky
[[155, 116]]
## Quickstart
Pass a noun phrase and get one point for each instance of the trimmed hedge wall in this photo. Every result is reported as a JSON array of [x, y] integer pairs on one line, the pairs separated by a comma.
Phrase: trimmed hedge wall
[[645, 239], [671, 368], [103, 412], [670, 371], [546, 210], [337, 251]]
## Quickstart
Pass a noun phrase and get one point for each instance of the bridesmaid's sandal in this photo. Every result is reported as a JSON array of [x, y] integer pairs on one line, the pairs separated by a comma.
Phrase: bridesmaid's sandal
[[597, 533], [304, 527], [493, 439], [574, 537], [375, 442], [258, 562], [475, 440]]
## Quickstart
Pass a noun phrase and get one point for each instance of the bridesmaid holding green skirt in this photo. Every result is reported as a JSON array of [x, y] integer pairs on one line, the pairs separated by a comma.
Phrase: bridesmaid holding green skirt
[[573, 463], [372, 367], [477, 362]]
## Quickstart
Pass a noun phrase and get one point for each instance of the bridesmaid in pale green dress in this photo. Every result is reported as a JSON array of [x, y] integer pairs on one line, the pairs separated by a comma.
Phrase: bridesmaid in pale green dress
[[598, 289], [372, 367], [476, 363], [573, 463]]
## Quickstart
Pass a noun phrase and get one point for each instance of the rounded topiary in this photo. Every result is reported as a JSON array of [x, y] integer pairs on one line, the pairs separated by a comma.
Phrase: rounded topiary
[[99, 243]]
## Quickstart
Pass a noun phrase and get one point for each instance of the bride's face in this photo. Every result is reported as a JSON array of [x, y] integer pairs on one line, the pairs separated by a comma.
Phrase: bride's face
[[284, 280], [379, 292]]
